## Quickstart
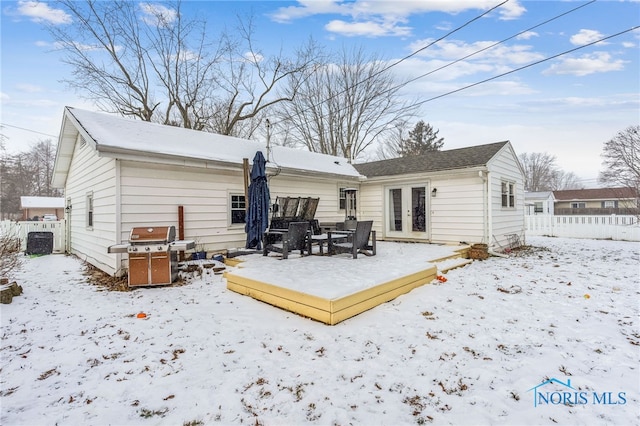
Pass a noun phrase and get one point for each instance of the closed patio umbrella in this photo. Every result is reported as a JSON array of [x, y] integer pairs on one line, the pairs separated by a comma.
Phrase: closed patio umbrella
[[257, 218]]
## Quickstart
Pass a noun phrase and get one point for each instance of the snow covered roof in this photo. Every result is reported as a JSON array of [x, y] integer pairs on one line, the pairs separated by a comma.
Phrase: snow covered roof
[[116, 136], [41, 202], [539, 195]]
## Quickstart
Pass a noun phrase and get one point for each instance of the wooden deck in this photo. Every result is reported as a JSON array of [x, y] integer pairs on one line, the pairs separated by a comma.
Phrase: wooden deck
[[319, 303]]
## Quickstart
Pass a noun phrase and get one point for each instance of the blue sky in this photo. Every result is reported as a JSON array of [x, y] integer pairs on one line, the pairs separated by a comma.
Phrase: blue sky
[[567, 106]]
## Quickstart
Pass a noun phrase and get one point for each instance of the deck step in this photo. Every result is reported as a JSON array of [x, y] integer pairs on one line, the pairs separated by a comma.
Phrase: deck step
[[447, 264]]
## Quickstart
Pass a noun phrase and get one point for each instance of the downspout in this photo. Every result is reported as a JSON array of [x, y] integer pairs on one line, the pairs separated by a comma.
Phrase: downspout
[[118, 206], [489, 223]]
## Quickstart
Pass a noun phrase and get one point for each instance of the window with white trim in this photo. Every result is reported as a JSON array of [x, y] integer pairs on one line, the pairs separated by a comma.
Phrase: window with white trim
[[89, 203], [578, 205], [237, 209], [508, 194]]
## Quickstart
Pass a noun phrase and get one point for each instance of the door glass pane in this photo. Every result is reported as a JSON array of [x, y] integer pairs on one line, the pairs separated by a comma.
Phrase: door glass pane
[[395, 209], [418, 209]]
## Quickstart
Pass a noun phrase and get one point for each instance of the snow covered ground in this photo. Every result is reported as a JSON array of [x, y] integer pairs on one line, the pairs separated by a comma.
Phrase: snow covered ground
[[475, 349]]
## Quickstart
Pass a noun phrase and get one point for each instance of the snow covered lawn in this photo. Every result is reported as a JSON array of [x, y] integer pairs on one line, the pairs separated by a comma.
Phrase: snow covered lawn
[[466, 351]]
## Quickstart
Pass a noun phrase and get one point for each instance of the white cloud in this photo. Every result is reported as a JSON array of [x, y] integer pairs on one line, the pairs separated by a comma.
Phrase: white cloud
[[157, 14], [585, 36], [527, 35], [498, 55], [41, 12], [381, 18], [368, 29], [253, 57], [592, 63], [28, 88]]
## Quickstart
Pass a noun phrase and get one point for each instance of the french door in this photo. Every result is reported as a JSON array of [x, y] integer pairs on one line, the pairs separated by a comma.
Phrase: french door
[[407, 212]]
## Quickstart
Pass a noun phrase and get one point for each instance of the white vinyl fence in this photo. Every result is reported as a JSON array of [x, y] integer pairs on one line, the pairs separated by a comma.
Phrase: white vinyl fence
[[21, 230], [615, 227]]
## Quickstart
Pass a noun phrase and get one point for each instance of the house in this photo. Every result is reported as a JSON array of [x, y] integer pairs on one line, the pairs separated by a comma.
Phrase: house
[[541, 202], [119, 173], [597, 201], [473, 195], [34, 208]]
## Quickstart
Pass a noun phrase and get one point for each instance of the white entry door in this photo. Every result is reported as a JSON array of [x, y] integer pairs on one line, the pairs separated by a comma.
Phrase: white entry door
[[407, 211]]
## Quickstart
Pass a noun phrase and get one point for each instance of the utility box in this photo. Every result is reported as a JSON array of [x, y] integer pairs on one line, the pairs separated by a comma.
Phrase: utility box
[[39, 243]]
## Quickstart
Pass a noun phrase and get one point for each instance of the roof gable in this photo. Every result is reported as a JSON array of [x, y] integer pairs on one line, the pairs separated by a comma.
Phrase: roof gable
[[453, 159]]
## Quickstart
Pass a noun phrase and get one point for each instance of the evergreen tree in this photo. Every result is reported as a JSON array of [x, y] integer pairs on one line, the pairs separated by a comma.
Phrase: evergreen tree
[[422, 139]]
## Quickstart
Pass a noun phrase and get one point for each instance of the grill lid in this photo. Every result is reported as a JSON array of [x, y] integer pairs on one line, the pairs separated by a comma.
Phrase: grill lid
[[150, 235]]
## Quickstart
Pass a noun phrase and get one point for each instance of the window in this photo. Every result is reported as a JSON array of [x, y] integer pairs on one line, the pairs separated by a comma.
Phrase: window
[[343, 199], [238, 209], [89, 210], [508, 194], [537, 207], [578, 205], [609, 204]]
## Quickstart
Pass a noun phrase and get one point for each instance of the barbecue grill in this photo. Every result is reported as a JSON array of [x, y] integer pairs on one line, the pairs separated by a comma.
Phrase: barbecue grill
[[153, 255]]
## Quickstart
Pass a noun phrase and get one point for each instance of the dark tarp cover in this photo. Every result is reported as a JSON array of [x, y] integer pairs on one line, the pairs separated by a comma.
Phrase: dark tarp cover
[[257, 218]]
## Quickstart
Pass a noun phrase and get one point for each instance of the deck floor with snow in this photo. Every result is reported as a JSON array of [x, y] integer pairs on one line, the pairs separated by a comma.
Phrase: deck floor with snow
[[331, 289]]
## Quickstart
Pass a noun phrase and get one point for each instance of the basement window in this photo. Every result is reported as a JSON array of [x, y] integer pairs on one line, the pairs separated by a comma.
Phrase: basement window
[[508, 194]]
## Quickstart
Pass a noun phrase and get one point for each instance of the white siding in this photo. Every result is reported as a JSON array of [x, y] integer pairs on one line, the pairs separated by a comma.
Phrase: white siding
[[370, 204], [457, 210], [89, 173], [506, 220], [151, 194], [455, 214]]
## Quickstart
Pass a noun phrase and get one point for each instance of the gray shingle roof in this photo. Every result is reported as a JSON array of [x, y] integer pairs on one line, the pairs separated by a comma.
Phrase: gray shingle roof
[[595, 194], [452, 159]]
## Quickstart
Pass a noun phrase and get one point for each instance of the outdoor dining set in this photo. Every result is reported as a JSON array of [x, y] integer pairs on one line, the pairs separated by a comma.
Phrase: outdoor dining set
[[294, 228]]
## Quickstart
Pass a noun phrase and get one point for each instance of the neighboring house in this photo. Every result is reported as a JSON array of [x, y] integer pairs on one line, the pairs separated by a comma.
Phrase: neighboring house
[[120, 173], [597, 201], [473, 195], [34, 208], [539, 203]]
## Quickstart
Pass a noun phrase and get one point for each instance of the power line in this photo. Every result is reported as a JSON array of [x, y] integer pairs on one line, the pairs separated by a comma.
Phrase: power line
[[527, 66], [28, 130], [495, 44], [402, 59], [518, 69]]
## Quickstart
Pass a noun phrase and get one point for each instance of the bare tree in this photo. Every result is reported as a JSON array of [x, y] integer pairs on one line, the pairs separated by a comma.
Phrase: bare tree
[[542, 173], [153, 62], [621, 156], [251, 82], [345, 106], [41, 158], [394, 143], [561, 180]]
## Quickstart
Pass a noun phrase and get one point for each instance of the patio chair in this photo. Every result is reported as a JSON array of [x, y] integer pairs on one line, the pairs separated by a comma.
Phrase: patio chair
[[358, 243], [296, 237]]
